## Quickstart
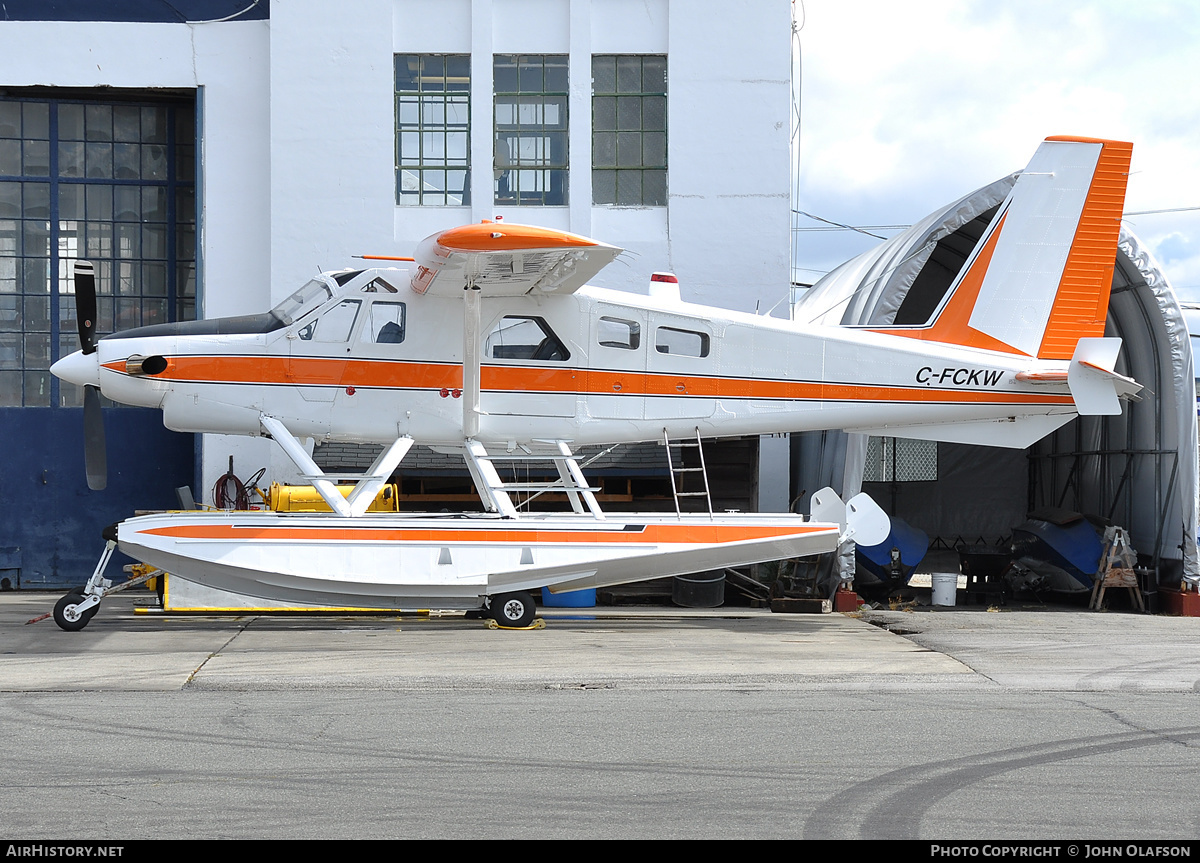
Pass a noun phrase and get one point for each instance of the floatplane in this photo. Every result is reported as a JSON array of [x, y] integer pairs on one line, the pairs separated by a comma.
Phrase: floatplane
[[489, 344]]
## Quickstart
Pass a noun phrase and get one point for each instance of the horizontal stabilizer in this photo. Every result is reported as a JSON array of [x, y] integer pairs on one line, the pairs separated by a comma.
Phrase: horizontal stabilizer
[[1096, 388]]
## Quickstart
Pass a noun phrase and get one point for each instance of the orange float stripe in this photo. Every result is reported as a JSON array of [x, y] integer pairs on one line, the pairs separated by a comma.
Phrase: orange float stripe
[[705, 534], [1081, 304]]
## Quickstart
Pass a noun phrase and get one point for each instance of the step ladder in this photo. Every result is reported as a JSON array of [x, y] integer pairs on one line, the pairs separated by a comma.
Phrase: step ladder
[[495, 492], [682, 471]]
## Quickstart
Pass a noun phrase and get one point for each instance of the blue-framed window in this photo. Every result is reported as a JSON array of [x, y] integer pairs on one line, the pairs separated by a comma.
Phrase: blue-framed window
[[111, 182]]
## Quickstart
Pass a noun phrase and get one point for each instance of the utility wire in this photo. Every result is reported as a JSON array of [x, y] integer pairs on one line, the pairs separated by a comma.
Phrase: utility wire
[[1155, 212], [839, 224]]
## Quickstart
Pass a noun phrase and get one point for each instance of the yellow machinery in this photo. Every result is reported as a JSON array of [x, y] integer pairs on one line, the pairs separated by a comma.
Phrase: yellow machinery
[[305, 498]]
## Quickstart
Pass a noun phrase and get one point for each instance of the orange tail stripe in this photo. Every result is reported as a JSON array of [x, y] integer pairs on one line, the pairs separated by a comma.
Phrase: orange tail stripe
[[951, 325], [1081, 306]]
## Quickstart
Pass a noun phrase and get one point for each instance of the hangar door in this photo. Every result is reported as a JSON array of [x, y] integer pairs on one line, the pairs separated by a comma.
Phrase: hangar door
[[111, 181]]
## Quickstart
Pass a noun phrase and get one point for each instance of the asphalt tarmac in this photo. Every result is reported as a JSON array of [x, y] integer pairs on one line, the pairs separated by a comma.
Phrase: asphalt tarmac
[[613, 723]]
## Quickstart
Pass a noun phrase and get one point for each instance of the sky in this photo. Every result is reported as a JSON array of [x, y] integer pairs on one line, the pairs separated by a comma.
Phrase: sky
[[907, 106]]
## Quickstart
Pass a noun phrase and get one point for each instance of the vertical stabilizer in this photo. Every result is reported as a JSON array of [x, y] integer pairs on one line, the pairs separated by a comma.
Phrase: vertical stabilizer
[[1039, 278]]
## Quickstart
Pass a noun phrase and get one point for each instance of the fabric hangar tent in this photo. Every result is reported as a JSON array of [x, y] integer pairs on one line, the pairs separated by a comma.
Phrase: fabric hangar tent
[[1138, 469]]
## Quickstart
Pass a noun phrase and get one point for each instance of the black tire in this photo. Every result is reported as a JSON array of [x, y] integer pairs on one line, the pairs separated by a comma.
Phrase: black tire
[[514, 610], [74, 597]]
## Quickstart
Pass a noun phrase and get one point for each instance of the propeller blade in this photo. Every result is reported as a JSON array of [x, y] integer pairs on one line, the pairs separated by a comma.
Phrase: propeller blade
[[85, 305], [95, 458]]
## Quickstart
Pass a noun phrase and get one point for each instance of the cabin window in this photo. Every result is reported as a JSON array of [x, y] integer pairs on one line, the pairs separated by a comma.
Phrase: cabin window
[[618, 333], [687, 343], [333, 326], [524, 338], [530, 148], [433, 125], [629, 130], [385, 324]]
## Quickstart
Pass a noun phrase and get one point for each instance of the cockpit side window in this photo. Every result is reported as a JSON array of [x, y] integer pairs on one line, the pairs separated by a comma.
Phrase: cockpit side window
[[385, 324], [335, 325], [518, 337], [308, 297]]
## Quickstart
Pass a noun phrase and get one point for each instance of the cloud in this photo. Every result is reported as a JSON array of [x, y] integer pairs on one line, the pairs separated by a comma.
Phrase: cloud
[[907, 106]]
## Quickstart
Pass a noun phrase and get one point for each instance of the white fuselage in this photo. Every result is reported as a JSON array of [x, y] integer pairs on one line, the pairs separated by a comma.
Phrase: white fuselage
[[627, 367]]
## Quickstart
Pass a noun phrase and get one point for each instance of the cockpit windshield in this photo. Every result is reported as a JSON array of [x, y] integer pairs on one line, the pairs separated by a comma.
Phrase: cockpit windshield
[[308, 297]]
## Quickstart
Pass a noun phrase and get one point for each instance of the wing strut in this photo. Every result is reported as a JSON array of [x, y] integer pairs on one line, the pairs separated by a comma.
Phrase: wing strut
[[494, 491], [471, 359]]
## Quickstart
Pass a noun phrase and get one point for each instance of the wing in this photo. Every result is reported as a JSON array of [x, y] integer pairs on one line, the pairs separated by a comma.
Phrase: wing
[[504, 260]]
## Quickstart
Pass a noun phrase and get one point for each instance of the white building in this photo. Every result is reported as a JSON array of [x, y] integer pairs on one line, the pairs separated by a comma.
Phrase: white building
[[214, 164]]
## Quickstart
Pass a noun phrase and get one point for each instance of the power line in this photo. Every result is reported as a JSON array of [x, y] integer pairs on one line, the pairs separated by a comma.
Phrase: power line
[[1155, 212], [857, 228], [866, 229], [838, 224]]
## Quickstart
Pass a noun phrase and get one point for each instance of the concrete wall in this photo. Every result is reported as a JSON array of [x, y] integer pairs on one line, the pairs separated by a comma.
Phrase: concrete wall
[[725, 229], [227, 64], [298, 142]]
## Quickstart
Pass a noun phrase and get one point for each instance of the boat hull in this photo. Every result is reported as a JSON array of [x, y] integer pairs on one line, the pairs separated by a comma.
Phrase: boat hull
[[452, 561]]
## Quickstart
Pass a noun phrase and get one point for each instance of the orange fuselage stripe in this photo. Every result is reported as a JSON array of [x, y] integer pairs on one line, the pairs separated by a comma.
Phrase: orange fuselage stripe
[[387, 374]]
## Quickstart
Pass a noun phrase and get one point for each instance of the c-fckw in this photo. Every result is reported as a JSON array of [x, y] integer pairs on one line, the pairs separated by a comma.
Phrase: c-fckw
[[491, 345]]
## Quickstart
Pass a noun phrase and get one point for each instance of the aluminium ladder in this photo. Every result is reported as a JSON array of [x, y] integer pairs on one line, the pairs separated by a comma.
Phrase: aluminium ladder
[[681, 470]]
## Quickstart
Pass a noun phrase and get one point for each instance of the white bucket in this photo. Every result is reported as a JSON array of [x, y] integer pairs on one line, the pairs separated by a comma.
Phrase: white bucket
[[945, 587]]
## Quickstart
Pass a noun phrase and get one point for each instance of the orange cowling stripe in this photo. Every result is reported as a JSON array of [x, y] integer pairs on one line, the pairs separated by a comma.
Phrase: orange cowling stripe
[[479, 238], [1081, 305]]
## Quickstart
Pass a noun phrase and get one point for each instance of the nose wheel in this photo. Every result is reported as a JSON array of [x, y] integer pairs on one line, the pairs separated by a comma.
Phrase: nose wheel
[[69, 615], [512, 610], [80, 604]]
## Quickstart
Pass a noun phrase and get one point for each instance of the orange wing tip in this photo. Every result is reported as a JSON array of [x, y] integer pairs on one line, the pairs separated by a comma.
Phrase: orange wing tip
[[504, 237]]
